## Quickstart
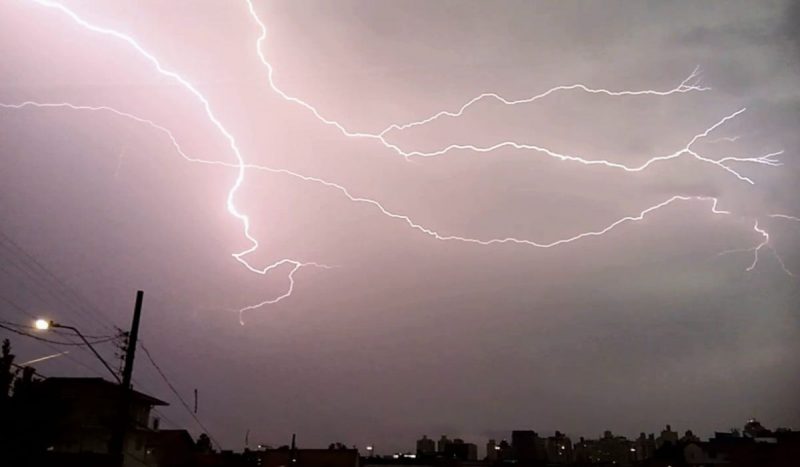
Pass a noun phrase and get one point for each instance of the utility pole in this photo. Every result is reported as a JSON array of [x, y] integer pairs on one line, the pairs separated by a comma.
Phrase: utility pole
[[130, 351], [117, 445]]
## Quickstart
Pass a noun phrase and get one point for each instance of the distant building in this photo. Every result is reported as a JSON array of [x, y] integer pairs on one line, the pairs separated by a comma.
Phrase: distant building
[[426, 447], [498, 451], [491, 451], [758, 447], [527, 447], [610, 449], [754, 429], [645, 446], [704, 454], [558, 449], [459, 450], [441, 445], [583, 451], [689, 437], [667, 437]]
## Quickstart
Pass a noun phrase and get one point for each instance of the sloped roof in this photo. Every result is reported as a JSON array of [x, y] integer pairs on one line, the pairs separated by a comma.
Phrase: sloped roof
[[102, 384]]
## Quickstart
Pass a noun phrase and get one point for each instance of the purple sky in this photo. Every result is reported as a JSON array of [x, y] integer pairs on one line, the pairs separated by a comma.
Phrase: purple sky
[[410, 335]]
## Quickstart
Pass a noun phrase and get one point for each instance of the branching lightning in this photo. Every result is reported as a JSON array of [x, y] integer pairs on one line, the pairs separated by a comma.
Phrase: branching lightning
[[784, 216], [386, 212], [765, 242], [240, 162], [241, 166], [684, 87]]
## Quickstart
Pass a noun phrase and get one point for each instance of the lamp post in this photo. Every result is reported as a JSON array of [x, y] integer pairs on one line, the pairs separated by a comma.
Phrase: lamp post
[[44, 325], [117, 442]]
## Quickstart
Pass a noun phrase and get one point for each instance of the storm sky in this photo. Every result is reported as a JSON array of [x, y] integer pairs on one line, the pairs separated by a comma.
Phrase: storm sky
[[410, 335]]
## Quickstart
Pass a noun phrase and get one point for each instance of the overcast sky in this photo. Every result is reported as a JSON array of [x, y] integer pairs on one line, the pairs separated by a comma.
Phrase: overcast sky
[[410, 335]]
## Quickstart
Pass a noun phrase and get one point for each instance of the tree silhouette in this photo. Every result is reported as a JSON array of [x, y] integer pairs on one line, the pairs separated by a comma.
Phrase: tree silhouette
[[204, 443]]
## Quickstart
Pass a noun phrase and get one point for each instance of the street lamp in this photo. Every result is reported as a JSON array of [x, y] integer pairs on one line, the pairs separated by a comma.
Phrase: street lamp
[[44, 325]]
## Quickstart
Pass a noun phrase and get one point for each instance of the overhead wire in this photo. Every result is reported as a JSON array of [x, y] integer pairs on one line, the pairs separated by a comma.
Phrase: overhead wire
[[47, 279], [33, 286], [37, 277], [61, 332], [177, 394], [71, 358], [51, 341]]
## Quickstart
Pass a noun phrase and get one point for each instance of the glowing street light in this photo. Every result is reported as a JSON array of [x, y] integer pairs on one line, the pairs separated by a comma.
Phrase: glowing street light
[[44, 325]]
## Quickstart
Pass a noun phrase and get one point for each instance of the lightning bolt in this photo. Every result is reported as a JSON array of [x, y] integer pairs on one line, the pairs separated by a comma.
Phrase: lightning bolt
[[726, 139], [240, 162], [687, 85], [758, 247], [684, 87], [767, 159], [775, 252], [765, 242], [784, 216], [386, 212]]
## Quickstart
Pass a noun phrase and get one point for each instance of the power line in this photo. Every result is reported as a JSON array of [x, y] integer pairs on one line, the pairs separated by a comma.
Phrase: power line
[[47, 342], [20, 308], [35, 371], [177, 394], [25, 284], [73, 359], [101, 339], [161, 415], [61, 291], [50, 341], [34, 282], [79, 303]]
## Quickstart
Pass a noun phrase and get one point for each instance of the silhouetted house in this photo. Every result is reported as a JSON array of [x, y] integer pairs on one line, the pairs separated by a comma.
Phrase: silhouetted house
[[308, 458], [81, 415]]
